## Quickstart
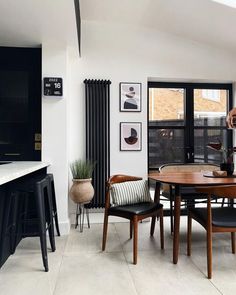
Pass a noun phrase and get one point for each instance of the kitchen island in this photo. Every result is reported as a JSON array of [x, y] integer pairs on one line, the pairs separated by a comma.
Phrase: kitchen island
[[12, 176]]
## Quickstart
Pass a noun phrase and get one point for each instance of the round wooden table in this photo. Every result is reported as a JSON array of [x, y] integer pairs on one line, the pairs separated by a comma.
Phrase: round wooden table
[[177, 179]]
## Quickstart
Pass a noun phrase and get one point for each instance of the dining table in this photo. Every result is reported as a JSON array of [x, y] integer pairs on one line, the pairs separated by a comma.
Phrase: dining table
[[185, 179]]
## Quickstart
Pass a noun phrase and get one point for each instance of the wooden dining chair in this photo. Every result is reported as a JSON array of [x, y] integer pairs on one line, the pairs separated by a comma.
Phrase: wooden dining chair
[[128, 197], [214, 220]]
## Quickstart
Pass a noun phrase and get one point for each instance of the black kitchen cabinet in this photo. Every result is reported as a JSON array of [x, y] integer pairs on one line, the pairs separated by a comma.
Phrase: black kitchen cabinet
[[20, 104]]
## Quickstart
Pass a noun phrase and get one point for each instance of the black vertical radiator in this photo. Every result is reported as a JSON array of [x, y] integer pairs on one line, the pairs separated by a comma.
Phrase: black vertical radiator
[[97, 95]]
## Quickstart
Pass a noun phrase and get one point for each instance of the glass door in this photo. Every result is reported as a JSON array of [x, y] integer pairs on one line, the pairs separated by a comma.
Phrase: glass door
[[167, 126], [210, 111], [183, 118]]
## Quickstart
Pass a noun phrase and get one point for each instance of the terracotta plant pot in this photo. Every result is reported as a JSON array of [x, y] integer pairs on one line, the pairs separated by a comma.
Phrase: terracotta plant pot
[[82, 190]]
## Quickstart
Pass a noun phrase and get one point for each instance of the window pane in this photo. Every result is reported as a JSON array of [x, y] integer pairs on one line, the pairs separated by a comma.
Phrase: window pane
[[165, 146], [210, 107], [201, 138], [166, 106]]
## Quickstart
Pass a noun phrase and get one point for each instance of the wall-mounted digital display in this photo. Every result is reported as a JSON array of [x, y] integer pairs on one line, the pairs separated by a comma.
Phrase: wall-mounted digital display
[[52, 86]]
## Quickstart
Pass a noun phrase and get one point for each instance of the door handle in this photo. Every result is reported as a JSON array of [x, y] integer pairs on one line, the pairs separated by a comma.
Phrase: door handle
[[189, 154]]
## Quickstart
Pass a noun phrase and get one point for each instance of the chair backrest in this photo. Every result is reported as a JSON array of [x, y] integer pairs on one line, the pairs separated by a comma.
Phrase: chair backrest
[[227, 191], [186, 167], [118, 178]]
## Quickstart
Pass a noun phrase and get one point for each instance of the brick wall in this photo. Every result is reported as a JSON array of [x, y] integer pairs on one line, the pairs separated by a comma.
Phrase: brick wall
[[167, 104]]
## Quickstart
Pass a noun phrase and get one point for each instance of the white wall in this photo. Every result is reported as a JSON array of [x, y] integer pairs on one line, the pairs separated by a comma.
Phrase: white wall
[[134, 54], [55, 128]]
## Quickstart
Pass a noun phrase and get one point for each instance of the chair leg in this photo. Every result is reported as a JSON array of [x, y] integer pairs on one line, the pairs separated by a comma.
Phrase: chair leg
[[189, 234], [49, 219], [171, 216], [153, 222], [233, 242], [42, 227], [54, 206], [135, 240], [105, 226], [130, 229], [209, 253], [57, 225], [161, 229], [223, 202]]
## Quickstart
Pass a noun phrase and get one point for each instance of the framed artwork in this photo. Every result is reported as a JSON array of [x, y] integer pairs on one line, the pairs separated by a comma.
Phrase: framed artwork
[[130, 97], [130, 136]]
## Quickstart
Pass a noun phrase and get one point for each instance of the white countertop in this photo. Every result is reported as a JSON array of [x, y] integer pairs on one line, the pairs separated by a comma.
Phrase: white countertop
[[14, 170]]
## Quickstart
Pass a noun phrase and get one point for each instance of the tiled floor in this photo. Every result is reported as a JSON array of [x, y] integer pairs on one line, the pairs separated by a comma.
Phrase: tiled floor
[[79, 267]]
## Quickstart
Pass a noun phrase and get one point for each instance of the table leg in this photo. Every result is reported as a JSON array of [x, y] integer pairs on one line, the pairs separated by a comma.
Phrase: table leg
[[176, 225], [156, 200]]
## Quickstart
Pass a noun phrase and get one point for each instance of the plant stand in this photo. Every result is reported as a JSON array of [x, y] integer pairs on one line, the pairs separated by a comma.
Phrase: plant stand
[[79, 217]]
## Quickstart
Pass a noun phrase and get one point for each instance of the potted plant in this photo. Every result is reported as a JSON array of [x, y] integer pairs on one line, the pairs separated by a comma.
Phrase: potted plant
[[82, 190], [227, 164]]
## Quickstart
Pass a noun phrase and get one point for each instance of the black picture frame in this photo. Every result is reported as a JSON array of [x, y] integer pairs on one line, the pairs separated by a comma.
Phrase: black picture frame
[[130, 97], [129, 132]]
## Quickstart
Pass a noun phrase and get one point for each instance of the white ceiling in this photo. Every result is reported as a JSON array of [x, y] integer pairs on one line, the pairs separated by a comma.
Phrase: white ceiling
[[204, 21], [32, 22]]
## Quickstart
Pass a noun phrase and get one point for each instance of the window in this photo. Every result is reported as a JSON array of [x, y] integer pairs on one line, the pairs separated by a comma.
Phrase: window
[[211, 94], [184, 118]]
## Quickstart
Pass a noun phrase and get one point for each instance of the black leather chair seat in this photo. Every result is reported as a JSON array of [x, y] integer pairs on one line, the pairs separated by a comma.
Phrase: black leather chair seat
[[223, 217], [136, 209]]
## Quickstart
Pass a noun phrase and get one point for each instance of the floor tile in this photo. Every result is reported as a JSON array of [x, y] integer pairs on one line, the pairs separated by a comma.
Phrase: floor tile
[[198, 235], [93, 273], [145, 242], [25, 275], [155, 274], [80, 267], [90, 240], [31, 245], [224, 267]]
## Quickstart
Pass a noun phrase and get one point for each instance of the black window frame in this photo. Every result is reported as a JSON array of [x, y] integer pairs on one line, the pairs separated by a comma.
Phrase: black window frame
[[189, 113]]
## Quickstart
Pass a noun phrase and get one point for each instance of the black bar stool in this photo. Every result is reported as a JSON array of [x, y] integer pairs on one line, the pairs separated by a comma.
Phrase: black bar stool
[[40, 190], [29, 187], [54, 203]]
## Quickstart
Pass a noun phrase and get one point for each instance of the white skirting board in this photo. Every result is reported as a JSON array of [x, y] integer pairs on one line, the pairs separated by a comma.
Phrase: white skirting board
[[64, 227]]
